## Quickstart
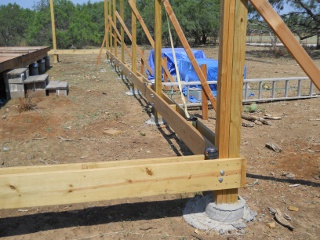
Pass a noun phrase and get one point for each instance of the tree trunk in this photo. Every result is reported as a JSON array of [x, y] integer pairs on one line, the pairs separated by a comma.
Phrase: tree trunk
[[318, 41]]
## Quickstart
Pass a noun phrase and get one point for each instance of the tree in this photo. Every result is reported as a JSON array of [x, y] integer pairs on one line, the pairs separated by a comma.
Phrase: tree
[[14, 22], [304, 19]]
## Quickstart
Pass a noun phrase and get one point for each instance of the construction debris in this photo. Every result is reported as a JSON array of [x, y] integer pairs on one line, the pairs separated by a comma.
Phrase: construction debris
[[280, 219], [273, 146]]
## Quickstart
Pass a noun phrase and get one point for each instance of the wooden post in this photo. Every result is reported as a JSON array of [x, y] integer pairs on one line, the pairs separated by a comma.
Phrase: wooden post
[[106, 35], [54, 38], [204, 95], [122, 30], [110, 36], [165, 75], [142, 63], [230, 80], [134, 40], [158, 46], [115, 42]]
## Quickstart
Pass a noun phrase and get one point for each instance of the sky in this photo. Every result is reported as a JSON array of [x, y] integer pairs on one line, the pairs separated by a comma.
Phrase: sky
[[30, 3]]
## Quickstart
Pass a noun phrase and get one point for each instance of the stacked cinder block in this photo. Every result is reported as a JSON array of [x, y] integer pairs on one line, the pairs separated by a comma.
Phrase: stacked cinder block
[[14, 82], [58, 88], [37, 84]]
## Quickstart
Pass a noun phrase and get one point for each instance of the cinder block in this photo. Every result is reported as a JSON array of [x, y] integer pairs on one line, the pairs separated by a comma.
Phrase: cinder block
[[16, 95], [52, 88], [63, 89]]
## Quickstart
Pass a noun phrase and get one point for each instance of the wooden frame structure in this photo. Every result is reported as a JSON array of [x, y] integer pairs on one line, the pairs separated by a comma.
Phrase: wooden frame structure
[[84, 182]]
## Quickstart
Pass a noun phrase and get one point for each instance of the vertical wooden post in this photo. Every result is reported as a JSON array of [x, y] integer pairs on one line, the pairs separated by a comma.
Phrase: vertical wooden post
[[122, 30], [54, 38], [204, 95], [106, 13], [165, 75], [115, 42], [134, 40], [142, 62], [110, 36], [158, 46], [230, 80]]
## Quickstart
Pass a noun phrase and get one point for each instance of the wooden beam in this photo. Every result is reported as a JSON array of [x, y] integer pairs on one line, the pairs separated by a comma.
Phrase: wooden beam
[[189, 52], [115, 42], [189, 134], [122, 30], [134, 40], [74, 51], [97, 165], [106, 23], [158, 47], [110, 16], [230, 82], [30, 189], [287, 38], [54, 38], [204, 99]]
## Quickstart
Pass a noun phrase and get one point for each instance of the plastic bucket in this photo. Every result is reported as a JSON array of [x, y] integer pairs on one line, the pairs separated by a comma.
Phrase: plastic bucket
[[34, 69]]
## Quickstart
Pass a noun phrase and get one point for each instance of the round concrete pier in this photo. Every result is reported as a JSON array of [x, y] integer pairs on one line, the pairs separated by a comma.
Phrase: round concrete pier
[[202, 213]]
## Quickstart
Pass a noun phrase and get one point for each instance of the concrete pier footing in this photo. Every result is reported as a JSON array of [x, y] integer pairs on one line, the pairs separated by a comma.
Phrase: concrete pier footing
[[202, 213]]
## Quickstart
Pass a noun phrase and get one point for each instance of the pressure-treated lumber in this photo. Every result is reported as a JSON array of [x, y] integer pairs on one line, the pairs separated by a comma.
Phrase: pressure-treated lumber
[[54, 38], [134, 40], [230, 81], [122, 30], [158, 47], [87, 185], [106, 12], [190, 136], [96, 165], [75, 51], [151, 41], [204, 98], [110, 16], [115, 42], [189, 52], [287, 38]]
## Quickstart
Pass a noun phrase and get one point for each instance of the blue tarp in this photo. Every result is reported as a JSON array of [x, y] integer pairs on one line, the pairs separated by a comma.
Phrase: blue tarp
[[188, 74], [167, 52]]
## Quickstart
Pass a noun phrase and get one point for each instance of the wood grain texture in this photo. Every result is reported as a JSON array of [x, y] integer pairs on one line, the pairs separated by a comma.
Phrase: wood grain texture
[[287, 38], [204, 101], [88, 185], [54, 37], [158, 47], [134, 46]]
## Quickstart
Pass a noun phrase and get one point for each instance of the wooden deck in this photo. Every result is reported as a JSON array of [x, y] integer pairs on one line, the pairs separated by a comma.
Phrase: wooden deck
[[15, 57]]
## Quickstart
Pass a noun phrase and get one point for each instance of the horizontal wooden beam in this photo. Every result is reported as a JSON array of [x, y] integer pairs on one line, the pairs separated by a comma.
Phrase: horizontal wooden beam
[[74, 51], [265, 9], [76, 185], [195, 141]]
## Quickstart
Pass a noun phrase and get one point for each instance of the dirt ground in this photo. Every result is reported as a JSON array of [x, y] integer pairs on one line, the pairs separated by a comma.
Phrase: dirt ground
[[71, 129]]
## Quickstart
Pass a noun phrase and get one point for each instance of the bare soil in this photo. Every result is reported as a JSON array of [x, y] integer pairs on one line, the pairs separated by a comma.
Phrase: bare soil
[[71, 129]]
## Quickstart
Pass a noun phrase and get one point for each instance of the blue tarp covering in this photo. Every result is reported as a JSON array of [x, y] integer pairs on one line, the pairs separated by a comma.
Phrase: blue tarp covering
[[188, 74], [167, 52]]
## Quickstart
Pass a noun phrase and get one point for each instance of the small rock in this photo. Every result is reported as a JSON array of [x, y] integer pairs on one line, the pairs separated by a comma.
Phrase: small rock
[[142, 134], [316, 177], [273, 146], [4, 116], [290, 175], [272, 210], [271, 225], [5, 149], [257, 122]]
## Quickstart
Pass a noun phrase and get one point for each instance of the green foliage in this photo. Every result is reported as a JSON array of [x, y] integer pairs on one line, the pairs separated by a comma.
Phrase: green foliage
[[14, 22], [83, 25]]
